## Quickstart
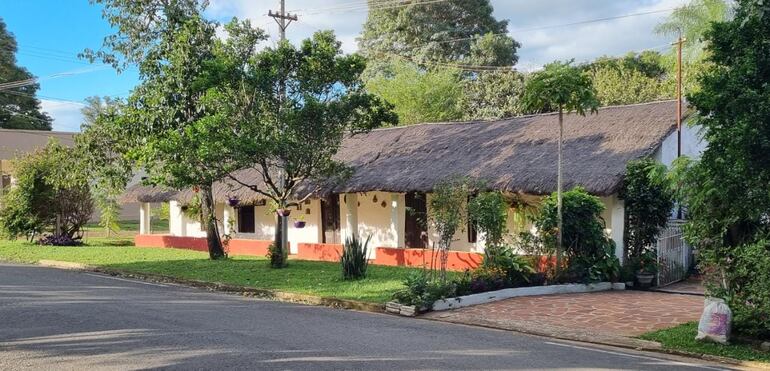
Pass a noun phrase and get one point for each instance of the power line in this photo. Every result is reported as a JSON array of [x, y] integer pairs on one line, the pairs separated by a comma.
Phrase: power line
[[539, 28], [364, 7]]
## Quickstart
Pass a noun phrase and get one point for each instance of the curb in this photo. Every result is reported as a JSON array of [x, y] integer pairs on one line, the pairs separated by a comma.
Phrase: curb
[[220, 287]]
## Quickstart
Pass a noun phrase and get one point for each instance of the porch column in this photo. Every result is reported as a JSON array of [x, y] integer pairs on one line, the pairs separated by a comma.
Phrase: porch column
[[617, 224], [144, 217], [227, 213], [481, 240], [397, 218], [176, 221], [351, 215]]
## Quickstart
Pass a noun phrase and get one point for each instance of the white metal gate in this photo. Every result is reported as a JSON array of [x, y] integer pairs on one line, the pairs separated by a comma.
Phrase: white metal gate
[[674, 255]]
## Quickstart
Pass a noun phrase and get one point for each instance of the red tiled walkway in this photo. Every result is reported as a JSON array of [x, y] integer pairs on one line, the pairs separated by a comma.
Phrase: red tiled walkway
[[610, 313]]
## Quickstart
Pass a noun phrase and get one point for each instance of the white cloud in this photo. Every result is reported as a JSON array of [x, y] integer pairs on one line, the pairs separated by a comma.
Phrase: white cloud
[[66, 115], [581, 42]]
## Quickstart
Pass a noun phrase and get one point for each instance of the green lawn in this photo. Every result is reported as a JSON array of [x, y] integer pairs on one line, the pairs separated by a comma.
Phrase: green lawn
[[131, 225], [683, 338], [306, 277]]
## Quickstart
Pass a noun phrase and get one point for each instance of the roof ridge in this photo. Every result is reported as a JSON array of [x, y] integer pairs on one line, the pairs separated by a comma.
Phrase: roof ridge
[[469, 122]]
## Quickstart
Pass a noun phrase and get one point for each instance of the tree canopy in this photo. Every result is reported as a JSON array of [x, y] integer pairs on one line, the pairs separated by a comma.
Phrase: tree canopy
[[19, 109], [287, 109], [634, 78], [51, 195], [427, 31], [419, 95], [169, 126], [726, 192]]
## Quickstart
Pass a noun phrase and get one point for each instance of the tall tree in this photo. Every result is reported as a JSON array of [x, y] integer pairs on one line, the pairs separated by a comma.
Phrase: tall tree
[[169, 128], [420, 95], [726, 192], [561, 87], [691, 21], [429, 32], [634, 78], [288, 111], [99, 149], [19, 109], [490, 95]]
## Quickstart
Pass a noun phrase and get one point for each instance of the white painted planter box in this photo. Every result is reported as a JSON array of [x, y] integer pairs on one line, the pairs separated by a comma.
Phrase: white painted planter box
[[490, 296]]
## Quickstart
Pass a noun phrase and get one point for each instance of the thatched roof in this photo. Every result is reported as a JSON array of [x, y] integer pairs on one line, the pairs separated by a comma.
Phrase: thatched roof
[[516, 155]]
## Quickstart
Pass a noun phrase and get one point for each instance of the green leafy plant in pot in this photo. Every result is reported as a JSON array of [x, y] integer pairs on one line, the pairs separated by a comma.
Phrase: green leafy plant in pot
[[648, 268]]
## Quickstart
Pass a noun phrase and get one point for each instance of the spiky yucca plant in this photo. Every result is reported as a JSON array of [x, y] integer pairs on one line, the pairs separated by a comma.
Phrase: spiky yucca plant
[[354, 258]]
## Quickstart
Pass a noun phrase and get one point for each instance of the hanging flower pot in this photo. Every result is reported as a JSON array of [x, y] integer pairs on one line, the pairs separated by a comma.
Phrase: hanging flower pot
[[299, 224], [233, 201], [283, 212]]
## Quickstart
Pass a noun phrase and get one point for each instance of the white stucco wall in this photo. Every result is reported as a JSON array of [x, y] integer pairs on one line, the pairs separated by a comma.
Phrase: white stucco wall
[[692, 145], [180, 225], [384, 224], [311, 212]]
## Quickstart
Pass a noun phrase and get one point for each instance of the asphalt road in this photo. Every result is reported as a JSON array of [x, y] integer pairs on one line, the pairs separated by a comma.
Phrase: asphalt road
[[57, 319]]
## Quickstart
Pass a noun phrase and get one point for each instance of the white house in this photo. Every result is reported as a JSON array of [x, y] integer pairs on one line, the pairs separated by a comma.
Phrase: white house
[[395, 169]]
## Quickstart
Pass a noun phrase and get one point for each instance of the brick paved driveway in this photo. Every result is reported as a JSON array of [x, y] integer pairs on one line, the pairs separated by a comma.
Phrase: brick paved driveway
[[607, 314]]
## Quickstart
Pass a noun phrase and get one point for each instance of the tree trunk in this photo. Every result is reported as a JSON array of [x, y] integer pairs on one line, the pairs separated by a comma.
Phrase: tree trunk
[[558, 195], [214, 242], [278, 253]]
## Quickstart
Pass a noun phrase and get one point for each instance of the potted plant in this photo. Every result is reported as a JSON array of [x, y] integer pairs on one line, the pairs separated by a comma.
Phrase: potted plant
[[233, 201], [299, 222], [283, 212], [648, 267]]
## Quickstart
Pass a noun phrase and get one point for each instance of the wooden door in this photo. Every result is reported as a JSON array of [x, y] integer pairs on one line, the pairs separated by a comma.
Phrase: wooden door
[[416, 220], [330, 219]]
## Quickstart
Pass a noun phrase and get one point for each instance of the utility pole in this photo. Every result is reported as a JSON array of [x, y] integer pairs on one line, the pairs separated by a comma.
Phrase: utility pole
[[678, 44], [284, 20]]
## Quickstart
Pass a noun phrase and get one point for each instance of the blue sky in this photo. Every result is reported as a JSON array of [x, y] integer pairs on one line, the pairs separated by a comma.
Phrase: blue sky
[[51, 33]]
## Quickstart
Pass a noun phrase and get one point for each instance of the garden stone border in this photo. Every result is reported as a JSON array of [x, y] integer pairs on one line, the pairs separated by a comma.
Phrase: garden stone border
[[491, 296]]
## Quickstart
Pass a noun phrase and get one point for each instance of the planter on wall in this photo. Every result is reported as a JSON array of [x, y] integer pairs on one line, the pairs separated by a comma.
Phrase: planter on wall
[[299, 224], [283, 212], [490, 296], [233, 202], [401, 309]]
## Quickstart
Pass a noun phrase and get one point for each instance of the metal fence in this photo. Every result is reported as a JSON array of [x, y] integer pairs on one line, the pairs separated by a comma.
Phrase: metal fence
[[674, 255]]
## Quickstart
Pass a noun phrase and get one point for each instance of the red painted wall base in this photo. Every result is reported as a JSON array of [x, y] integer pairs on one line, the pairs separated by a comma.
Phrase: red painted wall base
[[235, 247], [458, 260]]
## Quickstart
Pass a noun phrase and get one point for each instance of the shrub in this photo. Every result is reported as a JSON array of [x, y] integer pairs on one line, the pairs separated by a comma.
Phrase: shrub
[[516, 268], [51, 194], [648, 203], [587, 248], [489, 212], [421, 292], [276, 258], [746, 270], [58, 240], [355, 258]]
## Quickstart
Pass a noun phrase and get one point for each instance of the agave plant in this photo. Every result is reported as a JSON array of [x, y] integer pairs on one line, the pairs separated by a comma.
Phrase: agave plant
[[354, 258]]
